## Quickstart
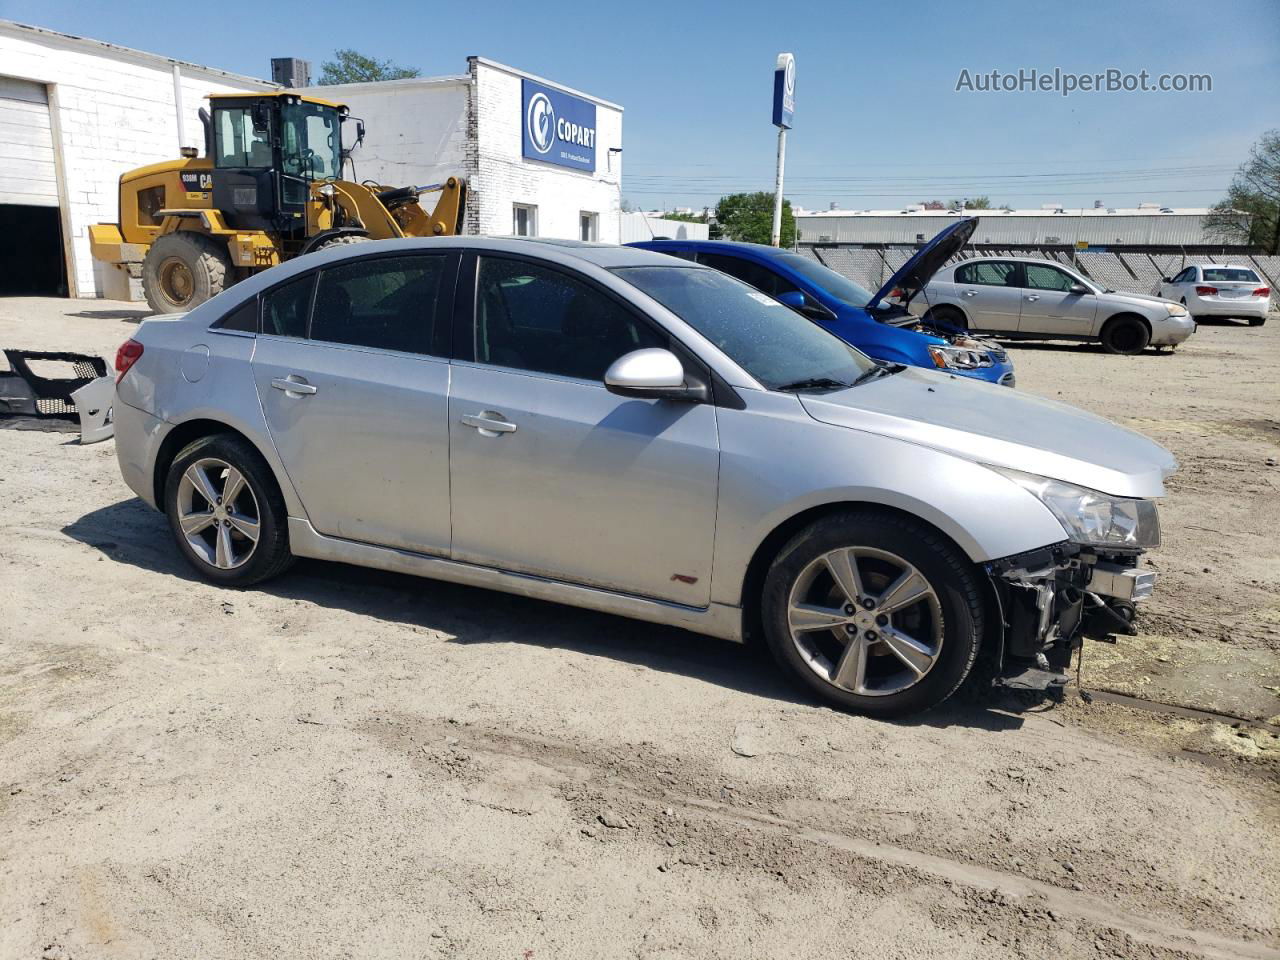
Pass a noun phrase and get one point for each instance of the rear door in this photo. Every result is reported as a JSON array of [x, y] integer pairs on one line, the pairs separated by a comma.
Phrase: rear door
[[551, 473], [1049, 306], [351, 367], [990, 292]]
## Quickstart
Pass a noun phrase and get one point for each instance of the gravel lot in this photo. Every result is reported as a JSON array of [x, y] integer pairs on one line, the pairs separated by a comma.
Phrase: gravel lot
[[356, 764]]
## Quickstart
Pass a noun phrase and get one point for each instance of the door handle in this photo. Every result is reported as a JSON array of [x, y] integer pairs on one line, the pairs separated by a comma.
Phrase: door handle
[[1033, 297], [293, 386], [489, 423], [971, 293]]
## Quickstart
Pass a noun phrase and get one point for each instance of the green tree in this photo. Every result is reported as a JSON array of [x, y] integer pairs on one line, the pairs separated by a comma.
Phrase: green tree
[[348, 66], [1250, 212], [749, 217], [972, 203]]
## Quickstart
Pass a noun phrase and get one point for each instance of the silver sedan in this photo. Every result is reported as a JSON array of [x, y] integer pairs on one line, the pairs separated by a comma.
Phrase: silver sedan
[[1026, 298], [620, 430]]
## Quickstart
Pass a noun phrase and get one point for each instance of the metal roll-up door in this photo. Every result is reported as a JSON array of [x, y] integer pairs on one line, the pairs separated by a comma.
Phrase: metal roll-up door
[[28, 174]]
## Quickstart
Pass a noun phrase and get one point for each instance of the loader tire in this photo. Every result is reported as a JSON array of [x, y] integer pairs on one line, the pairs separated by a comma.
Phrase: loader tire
[[183, 270], [342, 240]]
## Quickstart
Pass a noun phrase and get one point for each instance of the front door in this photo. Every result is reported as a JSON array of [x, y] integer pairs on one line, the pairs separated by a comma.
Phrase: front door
[[1050, 307], [355, 400], [552, 474]]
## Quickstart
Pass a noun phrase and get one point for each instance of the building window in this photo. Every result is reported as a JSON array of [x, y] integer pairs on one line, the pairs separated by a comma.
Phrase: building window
[[588, 226], [524, 220]]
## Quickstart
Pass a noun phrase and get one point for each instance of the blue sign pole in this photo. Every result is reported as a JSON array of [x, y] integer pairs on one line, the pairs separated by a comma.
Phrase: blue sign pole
[[784, 108]]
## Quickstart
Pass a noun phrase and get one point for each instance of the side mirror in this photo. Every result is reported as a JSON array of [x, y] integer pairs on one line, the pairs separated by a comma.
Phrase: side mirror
[[1078, 289], [793, 299], [1165, 280], [653, 374]]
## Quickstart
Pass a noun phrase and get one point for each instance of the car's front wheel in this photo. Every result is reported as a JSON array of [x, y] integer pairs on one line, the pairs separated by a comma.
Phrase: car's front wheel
[[226, 512], [873, 611], [1125, 334]]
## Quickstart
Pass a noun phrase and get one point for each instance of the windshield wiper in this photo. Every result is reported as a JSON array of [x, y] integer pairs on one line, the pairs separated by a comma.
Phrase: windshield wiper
[[871, 374], [814, 383]]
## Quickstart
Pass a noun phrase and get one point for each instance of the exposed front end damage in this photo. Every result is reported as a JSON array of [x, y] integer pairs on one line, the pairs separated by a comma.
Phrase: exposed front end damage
[[1051, 599]]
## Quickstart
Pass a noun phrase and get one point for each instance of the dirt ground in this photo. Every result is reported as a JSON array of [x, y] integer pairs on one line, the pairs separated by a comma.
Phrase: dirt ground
[[356, 764]]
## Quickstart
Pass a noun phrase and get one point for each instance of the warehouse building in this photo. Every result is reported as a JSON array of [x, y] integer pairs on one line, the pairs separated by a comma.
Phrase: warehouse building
[[540, 158], [75, 114]]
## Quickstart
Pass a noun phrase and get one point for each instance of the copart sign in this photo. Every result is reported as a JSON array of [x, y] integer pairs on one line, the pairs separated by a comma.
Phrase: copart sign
[[558, 127]]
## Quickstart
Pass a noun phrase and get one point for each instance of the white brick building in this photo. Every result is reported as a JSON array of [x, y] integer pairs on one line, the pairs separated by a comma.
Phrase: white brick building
[[423, 130], [76, 113]]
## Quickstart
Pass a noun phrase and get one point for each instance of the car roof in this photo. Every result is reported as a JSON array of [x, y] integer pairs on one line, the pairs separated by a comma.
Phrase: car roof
[[762, 249], [1052, 263], [1222, 266]]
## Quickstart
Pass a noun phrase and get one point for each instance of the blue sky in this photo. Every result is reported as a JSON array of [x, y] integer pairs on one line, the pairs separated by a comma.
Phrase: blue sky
[[878, 120]]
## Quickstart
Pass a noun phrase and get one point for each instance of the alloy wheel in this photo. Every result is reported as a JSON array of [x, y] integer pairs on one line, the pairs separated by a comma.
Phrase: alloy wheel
[[218, 513], [865, 621]]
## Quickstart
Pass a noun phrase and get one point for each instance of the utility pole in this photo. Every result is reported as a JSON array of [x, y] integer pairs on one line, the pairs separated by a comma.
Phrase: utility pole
[[784, 108]]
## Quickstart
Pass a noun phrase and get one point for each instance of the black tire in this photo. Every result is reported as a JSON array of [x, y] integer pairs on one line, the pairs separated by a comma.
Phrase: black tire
[[271, 556], [1257, 321], [182, 270], [952, 317], [946, 570], [341, 240], [1125, 334]]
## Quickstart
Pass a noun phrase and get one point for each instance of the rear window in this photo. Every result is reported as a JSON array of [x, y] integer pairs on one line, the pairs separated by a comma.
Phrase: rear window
[[1230, 275]]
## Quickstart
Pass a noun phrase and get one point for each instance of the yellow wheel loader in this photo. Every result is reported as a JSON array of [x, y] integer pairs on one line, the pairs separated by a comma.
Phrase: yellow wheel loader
[[268, 188]]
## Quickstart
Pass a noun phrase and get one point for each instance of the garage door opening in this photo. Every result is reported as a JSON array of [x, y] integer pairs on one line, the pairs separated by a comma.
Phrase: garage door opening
[[31, 252]]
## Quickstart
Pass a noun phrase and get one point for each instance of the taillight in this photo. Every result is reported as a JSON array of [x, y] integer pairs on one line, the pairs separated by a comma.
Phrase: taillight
[[1206, 291], [1262, 292], [126, 357]]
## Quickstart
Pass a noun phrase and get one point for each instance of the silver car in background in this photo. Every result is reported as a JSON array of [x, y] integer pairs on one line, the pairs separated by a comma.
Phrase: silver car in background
[[1027, 298], [617, 429]]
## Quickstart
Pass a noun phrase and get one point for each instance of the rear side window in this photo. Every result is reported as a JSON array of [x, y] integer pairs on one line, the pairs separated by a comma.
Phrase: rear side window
[[388, 303], [988, 274], [530, 317], [284, 309], [243, 318]]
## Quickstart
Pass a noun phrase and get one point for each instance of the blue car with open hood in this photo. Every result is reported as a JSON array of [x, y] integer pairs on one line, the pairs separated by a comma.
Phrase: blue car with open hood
[[879, 324]]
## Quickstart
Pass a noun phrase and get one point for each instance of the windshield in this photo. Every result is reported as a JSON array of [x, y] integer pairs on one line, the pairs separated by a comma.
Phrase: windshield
[[770, 341], [840, 287], [311, 141]]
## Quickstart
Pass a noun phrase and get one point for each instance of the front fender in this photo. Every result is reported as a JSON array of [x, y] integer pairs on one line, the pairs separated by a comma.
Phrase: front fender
[[776, 462]]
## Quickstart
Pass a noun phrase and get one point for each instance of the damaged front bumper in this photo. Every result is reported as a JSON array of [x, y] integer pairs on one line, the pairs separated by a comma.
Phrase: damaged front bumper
[[1051, 599]]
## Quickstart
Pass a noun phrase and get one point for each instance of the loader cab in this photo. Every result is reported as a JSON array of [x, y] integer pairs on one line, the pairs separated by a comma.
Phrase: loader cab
[[267, 150]]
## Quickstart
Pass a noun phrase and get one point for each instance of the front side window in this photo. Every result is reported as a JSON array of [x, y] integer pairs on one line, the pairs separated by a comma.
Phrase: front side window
[[749, 272], [238, 143], [311, 141], [771, 342], [988, 274], [1186, 276], [285, 309], [388, 303], [838, 285], [1048, 278], [530, 317]]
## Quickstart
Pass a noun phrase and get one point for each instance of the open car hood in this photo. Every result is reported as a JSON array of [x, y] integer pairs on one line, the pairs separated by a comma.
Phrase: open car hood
[[928, 260], [1002, 427]]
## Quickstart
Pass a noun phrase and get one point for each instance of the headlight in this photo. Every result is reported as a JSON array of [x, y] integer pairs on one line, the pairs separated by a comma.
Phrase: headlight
[[958, 358], [1176, 309], [1090, 517]]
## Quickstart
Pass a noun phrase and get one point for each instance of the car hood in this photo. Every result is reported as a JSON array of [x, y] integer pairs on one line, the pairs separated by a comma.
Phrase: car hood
[[926, 261], [995, 425], [1138, 297]]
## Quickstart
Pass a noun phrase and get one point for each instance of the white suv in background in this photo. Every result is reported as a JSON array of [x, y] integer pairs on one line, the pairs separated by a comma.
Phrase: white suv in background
[[1219, 290]]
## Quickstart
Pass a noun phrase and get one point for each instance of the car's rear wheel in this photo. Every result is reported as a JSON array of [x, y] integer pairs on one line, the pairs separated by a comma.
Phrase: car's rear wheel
[[874, 612], [1125, 334], [226, 512], [1257, 321]]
